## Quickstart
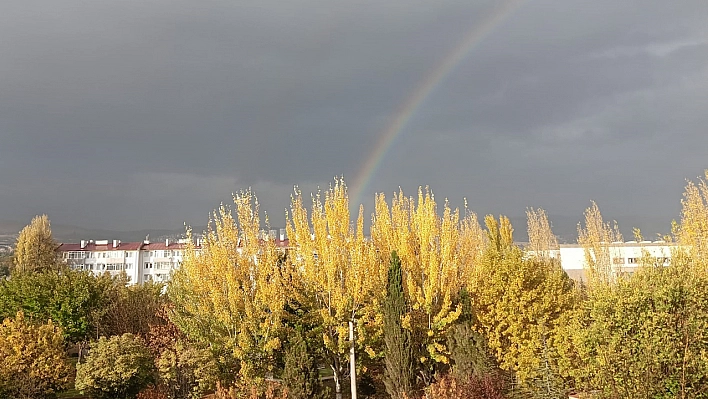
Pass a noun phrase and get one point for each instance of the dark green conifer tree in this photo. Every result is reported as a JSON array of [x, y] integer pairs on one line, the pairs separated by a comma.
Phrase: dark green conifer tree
[[468, 349], [399, 357], [301, 376]]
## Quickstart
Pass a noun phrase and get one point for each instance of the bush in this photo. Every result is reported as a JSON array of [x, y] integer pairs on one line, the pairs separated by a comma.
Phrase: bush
[[268, 391], [152, 392], [117, 368], [186, 372], [487, 386]]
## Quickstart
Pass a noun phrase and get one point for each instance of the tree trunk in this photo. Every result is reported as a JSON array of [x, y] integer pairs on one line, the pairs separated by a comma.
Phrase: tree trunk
[[336, 370], [352, 359]]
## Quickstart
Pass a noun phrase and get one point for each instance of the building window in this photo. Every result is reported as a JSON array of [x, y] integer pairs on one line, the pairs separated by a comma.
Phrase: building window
[[77, 255], [662, 261], [632, 261], [618, 261]]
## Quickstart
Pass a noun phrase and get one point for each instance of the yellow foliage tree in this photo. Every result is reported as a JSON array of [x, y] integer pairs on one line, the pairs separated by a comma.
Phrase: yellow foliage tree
[[597, 238], [438, 254], [542, 241], [35, 249], [232, 292], [520, 304], [692, 232], [338, 270], [34, 364]]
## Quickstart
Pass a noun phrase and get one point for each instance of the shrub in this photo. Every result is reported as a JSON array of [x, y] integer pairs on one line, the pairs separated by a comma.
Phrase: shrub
[[487, 386], [117, 368]]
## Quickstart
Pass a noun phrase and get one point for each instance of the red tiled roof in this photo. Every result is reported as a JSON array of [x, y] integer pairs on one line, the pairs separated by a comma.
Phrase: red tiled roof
[[122, 246], [133, 246], [161, 245]]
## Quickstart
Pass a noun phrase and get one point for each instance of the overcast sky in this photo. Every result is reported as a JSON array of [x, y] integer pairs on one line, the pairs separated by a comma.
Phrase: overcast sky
[[140, 114]]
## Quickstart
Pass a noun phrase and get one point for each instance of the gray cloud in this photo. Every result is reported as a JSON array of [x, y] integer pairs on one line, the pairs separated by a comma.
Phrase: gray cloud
[[138, 114]]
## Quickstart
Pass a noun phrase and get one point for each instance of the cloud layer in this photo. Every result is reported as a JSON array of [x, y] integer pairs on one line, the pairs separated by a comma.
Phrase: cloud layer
[[147, 114]]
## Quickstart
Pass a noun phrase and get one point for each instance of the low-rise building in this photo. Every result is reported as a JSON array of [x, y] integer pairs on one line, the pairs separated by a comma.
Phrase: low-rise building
[[141, 261], [625, 256]]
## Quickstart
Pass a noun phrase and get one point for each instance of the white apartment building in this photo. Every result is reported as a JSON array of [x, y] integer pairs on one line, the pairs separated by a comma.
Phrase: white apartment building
[[141, 261], [625, 256]]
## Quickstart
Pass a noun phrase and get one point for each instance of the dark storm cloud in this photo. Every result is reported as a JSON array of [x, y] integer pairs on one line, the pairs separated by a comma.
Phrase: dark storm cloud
[[138, 114]]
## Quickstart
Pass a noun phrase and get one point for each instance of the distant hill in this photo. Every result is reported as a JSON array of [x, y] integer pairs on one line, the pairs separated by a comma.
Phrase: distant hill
[[69, 233], [564, 227]]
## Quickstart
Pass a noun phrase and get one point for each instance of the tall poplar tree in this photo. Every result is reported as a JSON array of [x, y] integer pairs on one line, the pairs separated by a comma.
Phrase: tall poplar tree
[[692, 232], [542, 241], [338, 272], [596, 238], [438, 255], [231, 293], [35, 249]]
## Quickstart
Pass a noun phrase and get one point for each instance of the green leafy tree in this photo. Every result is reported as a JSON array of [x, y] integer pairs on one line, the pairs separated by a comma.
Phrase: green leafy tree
[[301, 377], [33, 363], [646, 336], [5, 264], [184, 369], [77, 301], [134, 309], [118, 367], [35, 249], [398, 376]]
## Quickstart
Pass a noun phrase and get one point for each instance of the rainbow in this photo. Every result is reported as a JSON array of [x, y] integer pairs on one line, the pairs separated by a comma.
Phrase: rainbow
[[404, 114]]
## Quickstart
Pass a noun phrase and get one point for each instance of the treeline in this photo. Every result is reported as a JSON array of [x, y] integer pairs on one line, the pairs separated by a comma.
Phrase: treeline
[[438, 304]]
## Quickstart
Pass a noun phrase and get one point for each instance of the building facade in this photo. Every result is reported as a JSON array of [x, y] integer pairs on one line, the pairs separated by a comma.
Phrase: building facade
[[141, 261], [625, 256]]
